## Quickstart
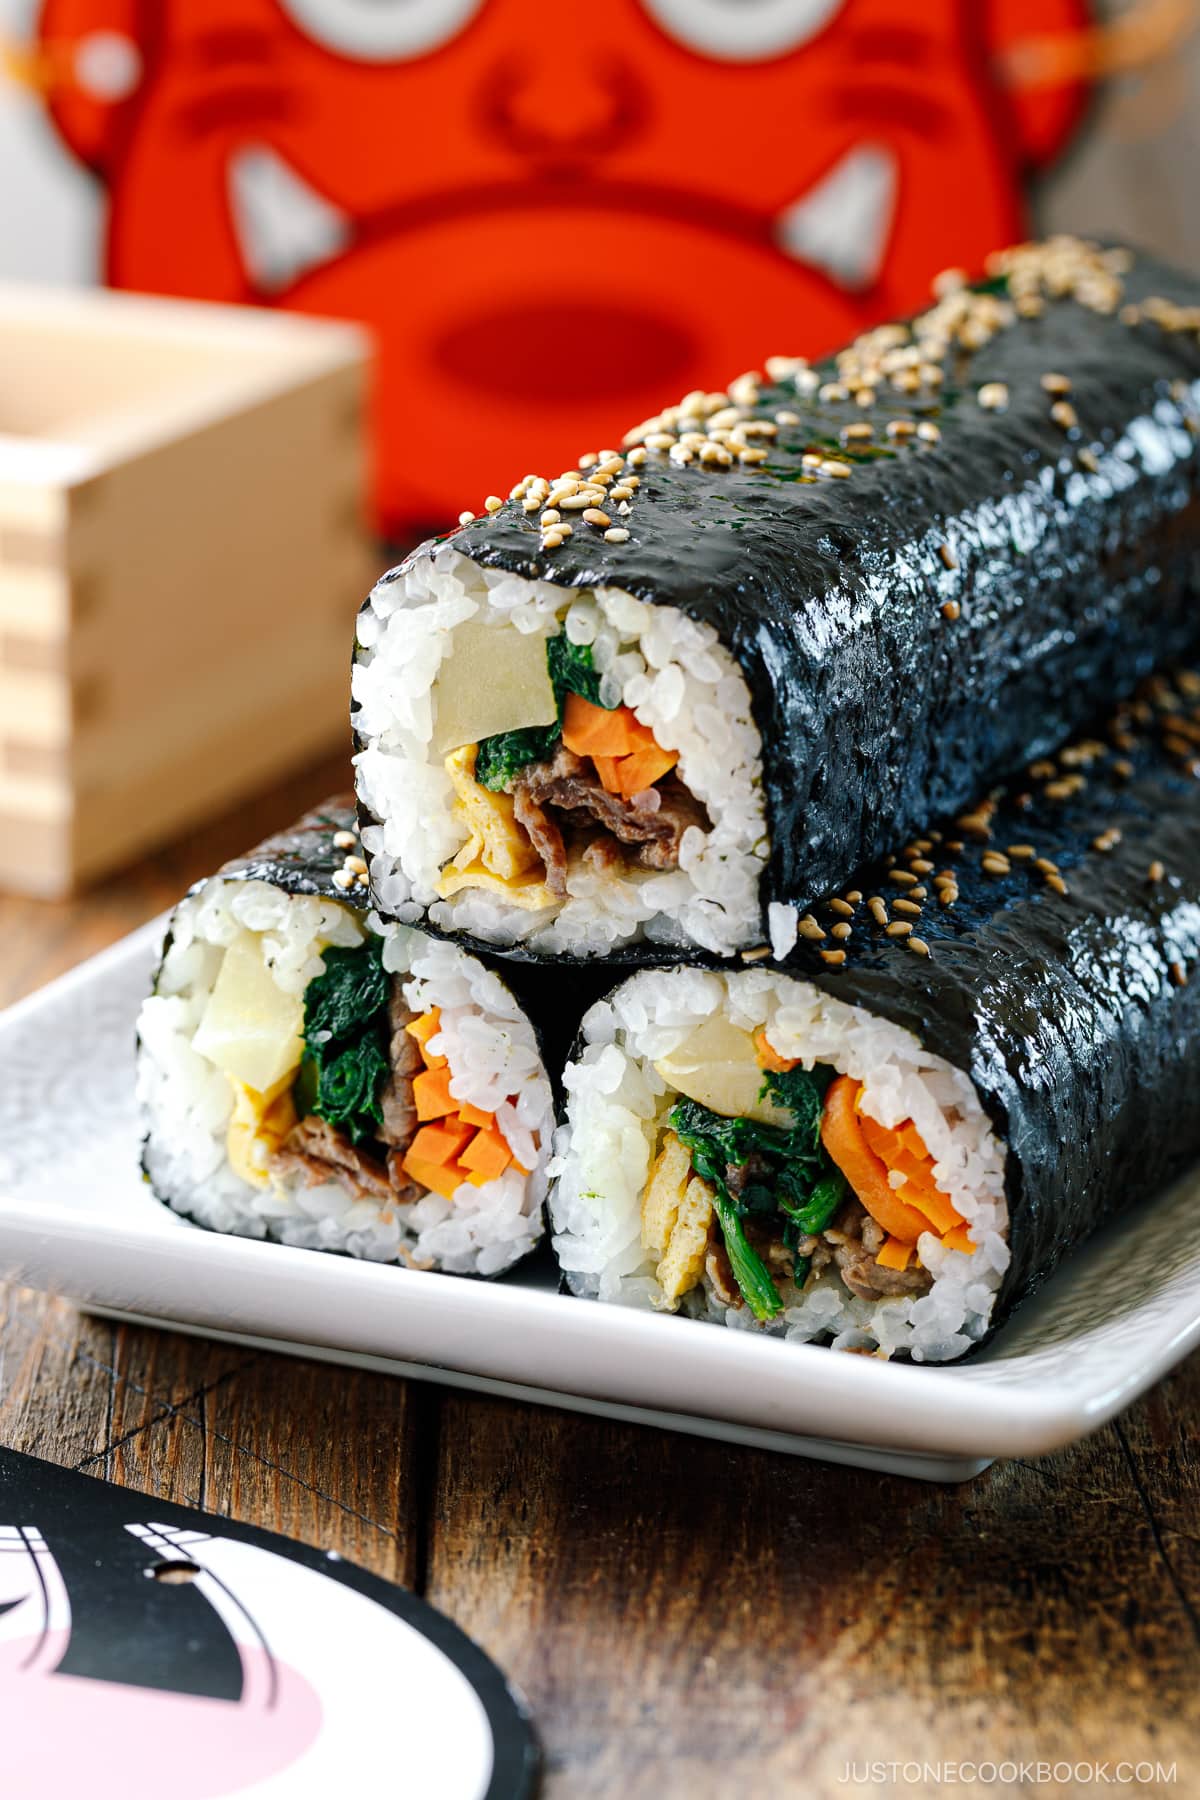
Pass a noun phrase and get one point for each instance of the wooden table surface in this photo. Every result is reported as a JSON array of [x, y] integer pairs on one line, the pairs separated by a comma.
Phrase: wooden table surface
[[685, 1617]]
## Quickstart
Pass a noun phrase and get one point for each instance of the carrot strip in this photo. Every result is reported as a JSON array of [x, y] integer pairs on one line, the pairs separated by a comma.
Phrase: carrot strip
[[642, 769], [427, 1025], [959, 1239], [471, 1115], [431, 1094], [769, 1058], [598, 731], [895, 1255], [440, 1143], [439, 1178], [487, 1155], [842, 1136]]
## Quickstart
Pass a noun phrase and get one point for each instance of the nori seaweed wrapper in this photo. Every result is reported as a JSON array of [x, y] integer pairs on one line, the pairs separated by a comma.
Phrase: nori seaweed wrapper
[[956, 607], [1075, 1013]]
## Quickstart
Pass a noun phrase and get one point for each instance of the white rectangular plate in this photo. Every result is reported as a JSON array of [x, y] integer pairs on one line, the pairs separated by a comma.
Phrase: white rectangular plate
[[76, 1217]]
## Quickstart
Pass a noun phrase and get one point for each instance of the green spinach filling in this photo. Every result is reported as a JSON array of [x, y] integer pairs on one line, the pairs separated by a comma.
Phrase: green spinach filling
[[572, 671], [792, 1187], [347, 1038]]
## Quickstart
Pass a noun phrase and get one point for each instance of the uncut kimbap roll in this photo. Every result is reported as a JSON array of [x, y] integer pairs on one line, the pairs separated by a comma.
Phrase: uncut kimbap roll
[[980, 1049], [649, 705], [307, 1078]]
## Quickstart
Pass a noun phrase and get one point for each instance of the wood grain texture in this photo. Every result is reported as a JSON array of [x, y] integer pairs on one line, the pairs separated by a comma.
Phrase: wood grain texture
[[684, 1616]]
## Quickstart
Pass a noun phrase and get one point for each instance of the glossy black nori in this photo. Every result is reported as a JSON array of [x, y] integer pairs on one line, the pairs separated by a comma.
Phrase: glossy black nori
[[1076, 1015], [1074, 575]]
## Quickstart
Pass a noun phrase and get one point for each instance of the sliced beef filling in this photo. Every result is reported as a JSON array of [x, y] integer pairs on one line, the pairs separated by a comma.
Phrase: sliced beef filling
[[852, 1242], [569, 786], [321, 1152]]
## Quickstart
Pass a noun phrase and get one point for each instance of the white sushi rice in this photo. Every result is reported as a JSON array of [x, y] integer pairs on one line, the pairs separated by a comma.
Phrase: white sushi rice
[[675, 674], [490, 1046], [616, 1110]]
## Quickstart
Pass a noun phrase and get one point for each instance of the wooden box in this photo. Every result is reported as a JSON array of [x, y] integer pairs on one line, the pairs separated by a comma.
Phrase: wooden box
[[182, 550]]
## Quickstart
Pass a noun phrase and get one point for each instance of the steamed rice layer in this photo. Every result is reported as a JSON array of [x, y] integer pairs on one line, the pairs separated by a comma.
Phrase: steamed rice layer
[[679, 680], [616, 1112], [490, 1046]]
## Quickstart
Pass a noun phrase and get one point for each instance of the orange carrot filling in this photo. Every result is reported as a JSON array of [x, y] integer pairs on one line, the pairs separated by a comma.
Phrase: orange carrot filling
[[456, 1142], [868, 1154], [627, 756]]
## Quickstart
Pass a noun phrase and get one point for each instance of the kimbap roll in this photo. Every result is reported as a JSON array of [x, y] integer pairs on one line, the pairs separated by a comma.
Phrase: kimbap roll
[[980, 1049], [649, 705], [309, 1078]]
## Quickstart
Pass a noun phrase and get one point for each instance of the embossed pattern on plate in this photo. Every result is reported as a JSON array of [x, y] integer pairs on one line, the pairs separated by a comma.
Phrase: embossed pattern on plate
[[75, 1216]]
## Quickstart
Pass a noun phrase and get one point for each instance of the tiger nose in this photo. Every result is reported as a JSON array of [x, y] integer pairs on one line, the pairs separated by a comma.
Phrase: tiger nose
[[561, 109]]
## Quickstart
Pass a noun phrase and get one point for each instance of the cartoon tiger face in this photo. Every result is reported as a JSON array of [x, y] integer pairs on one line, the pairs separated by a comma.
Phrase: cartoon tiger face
[[554, 218]]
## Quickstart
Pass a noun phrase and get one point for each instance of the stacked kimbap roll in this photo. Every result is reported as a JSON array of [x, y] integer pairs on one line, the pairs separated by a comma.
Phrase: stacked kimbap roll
[[635, 749], [652, 705], [981, 1048], [308, 1078]]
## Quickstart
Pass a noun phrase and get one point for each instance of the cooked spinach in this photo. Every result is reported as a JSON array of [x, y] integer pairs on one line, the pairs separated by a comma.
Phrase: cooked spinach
[[346, 1040], [793, 1181], [502, 757]]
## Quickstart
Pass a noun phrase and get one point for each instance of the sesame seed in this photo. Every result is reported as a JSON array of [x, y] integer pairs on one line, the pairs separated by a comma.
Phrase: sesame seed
[[948, 895], [356, 865], [993, 396], [622, 491], [593, 516], [842, 908], [1021, 852], [810, 460], [854, 896], [857, 433], [1056, 384], [658, 440], [551, 516], [751, 455], [1156, 871], [1064, 415], [1122, 768], [928, 432], [344, 840], [899, 928], [810, 929], [1179, 974], [787, 418], [1057, 883], [342, 878], [464, 518], [843, 930], [877, 909], [839, 470], [919, 945], [832, 392], [616, 534], [1045, 866], [1088, 460], [902, 878], [901, 428], [552, 539], [921, 866], [947, 555], [865, 397], [836, 957], [902, 905], [951, 610], [636, 457], [995, 864]]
